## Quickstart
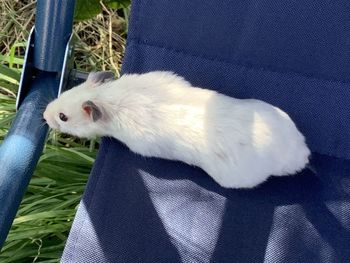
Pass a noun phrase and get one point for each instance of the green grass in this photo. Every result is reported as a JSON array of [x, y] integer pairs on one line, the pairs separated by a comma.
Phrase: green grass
[[44, 218], [40, 229], [42, 223]]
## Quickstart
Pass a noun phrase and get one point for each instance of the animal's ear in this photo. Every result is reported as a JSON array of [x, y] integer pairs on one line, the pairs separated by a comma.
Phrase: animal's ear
[[99, 77], [92, 110]]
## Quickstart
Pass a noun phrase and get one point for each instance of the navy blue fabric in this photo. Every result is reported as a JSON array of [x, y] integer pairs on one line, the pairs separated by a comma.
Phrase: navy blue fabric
[[138, 209], [294, 54]]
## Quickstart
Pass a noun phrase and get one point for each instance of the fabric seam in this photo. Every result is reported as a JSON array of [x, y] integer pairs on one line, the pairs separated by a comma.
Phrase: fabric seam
[[261, 69]]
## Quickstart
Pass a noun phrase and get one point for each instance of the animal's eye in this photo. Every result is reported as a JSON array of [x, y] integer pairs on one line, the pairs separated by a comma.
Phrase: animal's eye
[[63, 117]]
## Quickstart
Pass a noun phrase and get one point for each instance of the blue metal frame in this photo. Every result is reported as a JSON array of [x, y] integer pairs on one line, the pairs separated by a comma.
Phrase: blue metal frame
[[24, 143]]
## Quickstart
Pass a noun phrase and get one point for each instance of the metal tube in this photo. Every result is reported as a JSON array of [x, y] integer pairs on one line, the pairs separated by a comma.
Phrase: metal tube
[[53, 26], [21, 149]]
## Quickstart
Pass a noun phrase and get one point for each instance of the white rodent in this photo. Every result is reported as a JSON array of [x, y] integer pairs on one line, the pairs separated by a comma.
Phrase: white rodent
[[239, 143]]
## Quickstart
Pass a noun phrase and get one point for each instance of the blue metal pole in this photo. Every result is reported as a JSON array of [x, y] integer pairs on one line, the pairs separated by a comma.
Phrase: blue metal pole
[[24, 143], [53, 26]]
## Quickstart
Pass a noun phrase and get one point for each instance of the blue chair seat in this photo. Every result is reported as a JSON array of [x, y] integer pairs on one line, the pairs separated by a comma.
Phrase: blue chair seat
[[293, 54], [138, 209]]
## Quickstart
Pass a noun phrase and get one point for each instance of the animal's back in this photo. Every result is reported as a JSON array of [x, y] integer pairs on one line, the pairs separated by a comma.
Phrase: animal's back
[[238, 142], [250, 140]]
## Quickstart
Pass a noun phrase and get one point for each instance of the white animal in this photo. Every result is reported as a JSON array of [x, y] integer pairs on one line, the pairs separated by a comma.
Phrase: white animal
[[239, 143]]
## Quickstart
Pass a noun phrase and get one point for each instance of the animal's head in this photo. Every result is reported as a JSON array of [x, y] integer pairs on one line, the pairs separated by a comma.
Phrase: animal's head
[[78, 111]]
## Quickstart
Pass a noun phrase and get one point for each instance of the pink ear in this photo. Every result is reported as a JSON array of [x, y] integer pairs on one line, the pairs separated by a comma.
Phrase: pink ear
[[92, 110], [87, 109]]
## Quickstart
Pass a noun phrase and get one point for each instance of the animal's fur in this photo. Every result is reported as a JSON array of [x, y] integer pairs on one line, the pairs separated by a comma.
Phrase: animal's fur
[[239, 143]]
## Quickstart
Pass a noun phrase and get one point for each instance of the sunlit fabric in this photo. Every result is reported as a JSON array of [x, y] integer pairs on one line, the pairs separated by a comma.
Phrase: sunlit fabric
[[185, 210], [138, 209], [293, 54]]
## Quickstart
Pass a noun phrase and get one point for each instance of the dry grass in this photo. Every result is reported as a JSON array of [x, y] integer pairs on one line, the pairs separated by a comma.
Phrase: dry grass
[[100, 43], [16, 19]]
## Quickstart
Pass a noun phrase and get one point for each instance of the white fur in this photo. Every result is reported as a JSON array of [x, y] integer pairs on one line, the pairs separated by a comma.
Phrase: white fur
[[239, 143]]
